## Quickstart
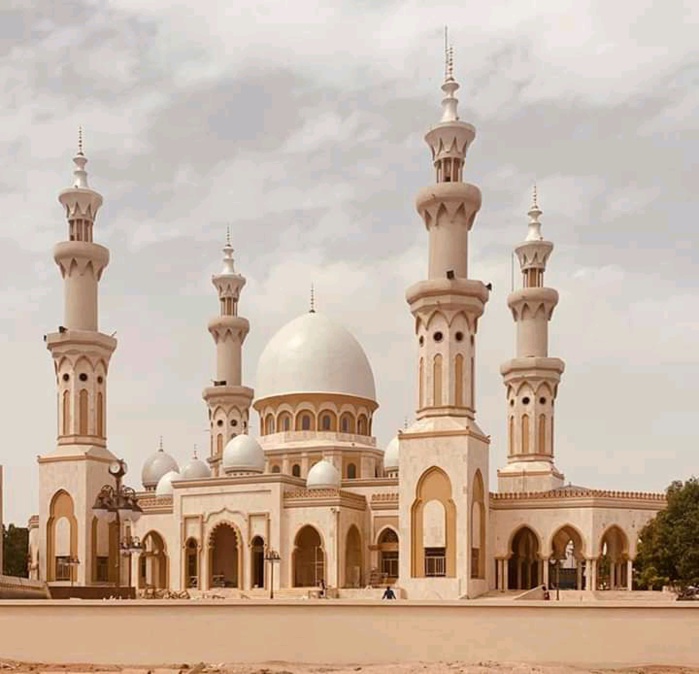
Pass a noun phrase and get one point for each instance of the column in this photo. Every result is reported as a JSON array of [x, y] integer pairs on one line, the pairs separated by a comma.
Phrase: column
[[629, 575], [506, 574], [546, 571], [579, 580]]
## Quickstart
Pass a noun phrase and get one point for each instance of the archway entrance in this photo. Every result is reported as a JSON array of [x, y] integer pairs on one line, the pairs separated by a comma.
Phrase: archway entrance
[[353, 558], [612, 571], [257, 560], [388, 555], [308, 558], [152, 567], [523, 565], [567, 560], [224, 557], [191, 563]]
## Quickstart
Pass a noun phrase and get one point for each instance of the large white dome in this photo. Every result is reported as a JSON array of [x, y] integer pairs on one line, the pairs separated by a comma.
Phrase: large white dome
[[155, 466], [244, 454], [313, 354], [196, 469], [323, 476]]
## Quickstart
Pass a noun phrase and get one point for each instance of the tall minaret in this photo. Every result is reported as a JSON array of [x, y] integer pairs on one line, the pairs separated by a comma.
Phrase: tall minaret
[[448, 304], [443, 455], [71, 475], [228, 400], [531, 377]]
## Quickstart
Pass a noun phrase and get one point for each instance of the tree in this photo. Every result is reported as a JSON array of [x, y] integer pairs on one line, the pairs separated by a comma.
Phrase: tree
[[668, 549], [15, 541]]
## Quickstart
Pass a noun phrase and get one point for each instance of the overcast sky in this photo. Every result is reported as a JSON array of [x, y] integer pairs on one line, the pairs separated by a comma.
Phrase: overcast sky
[[301, 125]]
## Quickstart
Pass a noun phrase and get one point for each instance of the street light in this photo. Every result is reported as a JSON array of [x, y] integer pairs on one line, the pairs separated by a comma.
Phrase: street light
[[117, 504], [130, 546], [271, 556]]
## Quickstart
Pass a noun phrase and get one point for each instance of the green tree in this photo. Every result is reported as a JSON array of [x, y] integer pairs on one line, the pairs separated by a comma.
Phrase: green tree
[[15, 542], [668, 549]]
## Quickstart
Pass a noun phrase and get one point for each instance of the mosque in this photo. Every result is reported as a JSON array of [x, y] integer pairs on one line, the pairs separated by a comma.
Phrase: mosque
[[308, 486]]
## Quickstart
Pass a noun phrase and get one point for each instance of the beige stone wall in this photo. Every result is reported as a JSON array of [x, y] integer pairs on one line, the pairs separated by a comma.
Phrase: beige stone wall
[[615, 634]]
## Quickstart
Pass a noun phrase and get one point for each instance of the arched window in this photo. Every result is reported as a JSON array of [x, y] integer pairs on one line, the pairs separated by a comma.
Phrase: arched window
[[325, 422], [437, 381], [459, 381], [542, 434], [269, 424], [276, 469], [351, 471], [83, 412], [511, 435], [305, 422], [284, 423], [347, 423], [100, 415], [219, 443], [66, 413], [362, 425], [421, 384], [525, 434], [296, 470]]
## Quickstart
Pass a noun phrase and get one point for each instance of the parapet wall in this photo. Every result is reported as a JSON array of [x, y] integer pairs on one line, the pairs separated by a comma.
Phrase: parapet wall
[[349, 632], [13, 587]]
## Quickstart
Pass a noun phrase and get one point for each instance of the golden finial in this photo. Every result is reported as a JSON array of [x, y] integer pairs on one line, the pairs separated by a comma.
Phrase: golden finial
[[80, 140], [313, 299]]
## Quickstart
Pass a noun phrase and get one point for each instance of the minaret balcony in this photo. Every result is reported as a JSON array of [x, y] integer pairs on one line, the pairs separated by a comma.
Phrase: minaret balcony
[[450, 139], [76, 342], [78, 255], [224, 327], [457, 294], [456, 202], [530, 303], [533, 369]]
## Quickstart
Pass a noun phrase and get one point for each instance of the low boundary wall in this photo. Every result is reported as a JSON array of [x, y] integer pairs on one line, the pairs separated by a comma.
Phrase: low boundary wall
[[348, 632]]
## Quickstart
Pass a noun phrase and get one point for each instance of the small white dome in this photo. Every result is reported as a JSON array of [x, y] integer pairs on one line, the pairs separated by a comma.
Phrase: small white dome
[[323, 476], [390, 456], [165, 487], [313, 354], [155, 466], [243, 453], [196, 469]]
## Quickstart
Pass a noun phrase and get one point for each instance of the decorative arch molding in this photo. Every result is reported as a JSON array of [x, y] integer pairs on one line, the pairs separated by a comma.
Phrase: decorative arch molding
[[516, 531], [61, 507], [229, 568], [434, 485], [308, 561], [572, 533], [353, 557], [623, 538], [382, 531], [216, 517]]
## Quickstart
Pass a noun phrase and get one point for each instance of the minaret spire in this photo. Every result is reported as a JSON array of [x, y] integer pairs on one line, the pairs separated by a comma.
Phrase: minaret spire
[[228, 400], [532, 376], [313, 300]]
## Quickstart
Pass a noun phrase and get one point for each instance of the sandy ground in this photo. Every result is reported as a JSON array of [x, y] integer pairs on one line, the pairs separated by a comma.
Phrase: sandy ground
[[288, 668]]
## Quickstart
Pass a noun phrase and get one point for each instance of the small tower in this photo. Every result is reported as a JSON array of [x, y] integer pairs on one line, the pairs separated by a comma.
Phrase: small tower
[[72, 474], [227, 399], [443, 456], [531, 378]]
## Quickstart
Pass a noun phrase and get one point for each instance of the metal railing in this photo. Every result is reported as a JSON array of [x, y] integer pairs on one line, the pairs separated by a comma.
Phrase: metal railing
[[435, 566]]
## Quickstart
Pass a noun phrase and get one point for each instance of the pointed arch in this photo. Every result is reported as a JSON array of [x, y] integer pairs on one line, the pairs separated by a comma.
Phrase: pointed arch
[[421, 384], [308, 557], [477, 534], [225, 555], [524, 563], [100, 414], [511, 435], [434, 485], [541, 435], [153, 563], [354, 571], [61, 536]]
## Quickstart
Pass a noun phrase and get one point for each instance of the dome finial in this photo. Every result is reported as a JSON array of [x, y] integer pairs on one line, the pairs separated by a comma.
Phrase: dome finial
[[195, 451], [534, 233], [450, 86], [160, 444], [313, 300], [80, 160], [228, 250]]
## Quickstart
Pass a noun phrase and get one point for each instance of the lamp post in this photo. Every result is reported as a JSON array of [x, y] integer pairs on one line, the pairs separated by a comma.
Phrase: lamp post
[[117, 504], [271, 556]]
